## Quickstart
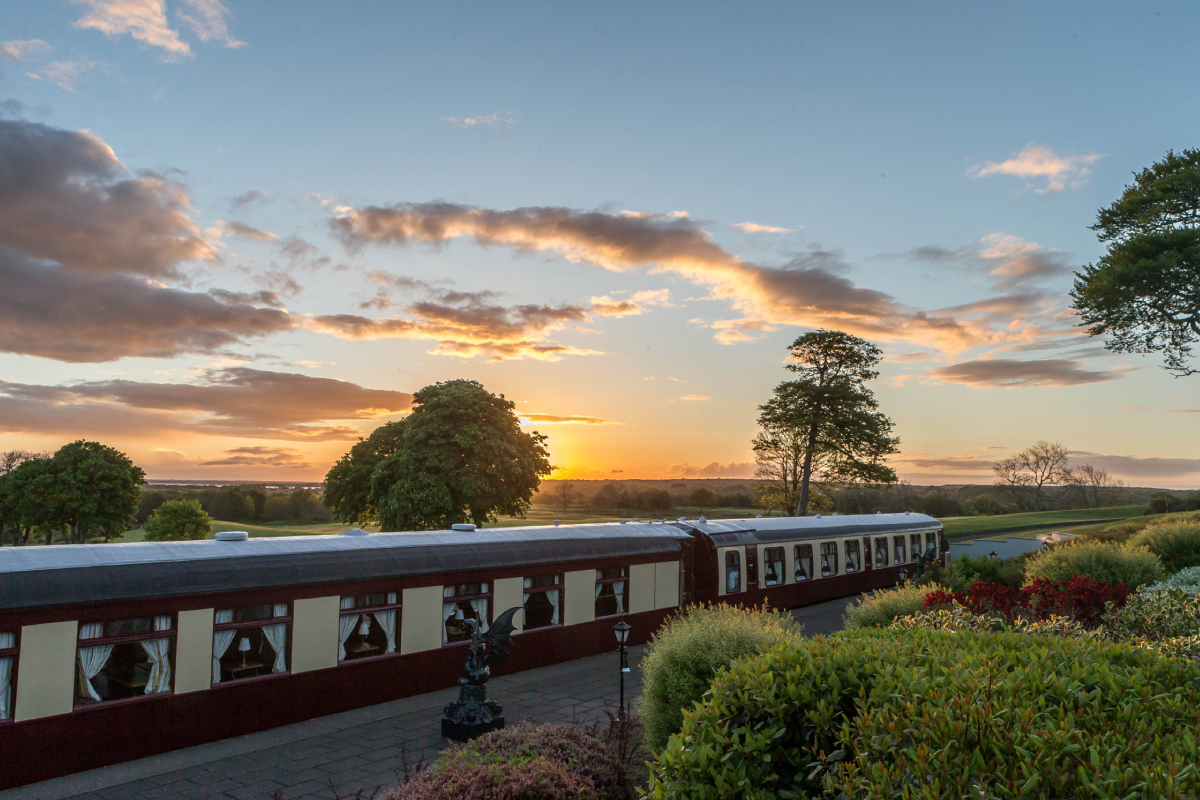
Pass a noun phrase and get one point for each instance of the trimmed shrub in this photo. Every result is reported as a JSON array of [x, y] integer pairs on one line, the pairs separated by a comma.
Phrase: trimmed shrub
[[689, 649], [932, 714], [880, 607], [1188, 580], [958, 618], [177, 520], [1078, 599], [1107, 563], [967, 570], [581, 753], [1177, 544], [1168, 614], [460, 779]]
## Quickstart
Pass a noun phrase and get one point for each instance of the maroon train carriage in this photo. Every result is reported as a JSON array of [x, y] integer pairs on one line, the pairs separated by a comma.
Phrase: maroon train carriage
[[119, 651]]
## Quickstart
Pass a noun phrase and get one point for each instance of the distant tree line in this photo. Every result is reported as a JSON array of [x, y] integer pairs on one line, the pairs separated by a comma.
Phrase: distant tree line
[[241, 503]]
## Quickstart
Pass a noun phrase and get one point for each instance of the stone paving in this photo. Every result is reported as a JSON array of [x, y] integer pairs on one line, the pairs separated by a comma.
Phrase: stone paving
[[336, 756]]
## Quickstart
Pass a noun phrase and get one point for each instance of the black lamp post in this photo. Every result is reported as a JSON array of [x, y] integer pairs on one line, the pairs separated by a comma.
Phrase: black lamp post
[[621, 629]]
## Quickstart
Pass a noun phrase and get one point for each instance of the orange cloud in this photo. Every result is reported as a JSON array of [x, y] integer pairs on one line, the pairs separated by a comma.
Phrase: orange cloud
[[1038, 161]]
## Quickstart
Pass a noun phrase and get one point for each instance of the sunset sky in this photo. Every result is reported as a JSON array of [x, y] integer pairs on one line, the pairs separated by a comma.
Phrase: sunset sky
[[236, 236]]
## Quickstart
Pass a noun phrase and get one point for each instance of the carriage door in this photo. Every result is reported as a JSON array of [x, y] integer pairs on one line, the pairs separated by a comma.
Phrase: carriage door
[[751, 566], [867, 552]]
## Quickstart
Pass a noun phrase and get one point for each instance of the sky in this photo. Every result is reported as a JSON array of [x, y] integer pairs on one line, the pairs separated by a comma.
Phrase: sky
[[235, 236]]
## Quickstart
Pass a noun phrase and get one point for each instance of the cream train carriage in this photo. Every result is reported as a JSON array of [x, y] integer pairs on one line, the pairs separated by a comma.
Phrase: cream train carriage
[[113, 652]]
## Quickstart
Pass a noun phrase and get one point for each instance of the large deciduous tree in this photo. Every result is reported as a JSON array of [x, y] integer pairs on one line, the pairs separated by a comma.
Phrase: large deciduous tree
[[825, 427], [94, 491], [1144, 294], [178, 520], [460, 456], [1028, 476]]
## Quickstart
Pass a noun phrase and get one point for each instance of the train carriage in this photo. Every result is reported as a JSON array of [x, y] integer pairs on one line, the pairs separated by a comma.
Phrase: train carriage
[[119, 651]]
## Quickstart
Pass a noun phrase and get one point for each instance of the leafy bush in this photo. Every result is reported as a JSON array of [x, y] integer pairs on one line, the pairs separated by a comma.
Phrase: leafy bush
[[966, 570], [1168, 614], [1078, 599], [689, 649], [177, 520], [958, 618], [880, 607], [932, 714], [1188, 580], [1107, 563], [1177, 544], [462, 779]]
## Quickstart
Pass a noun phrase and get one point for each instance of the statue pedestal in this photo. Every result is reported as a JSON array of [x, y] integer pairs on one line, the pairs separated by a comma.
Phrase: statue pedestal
[[472, 714]]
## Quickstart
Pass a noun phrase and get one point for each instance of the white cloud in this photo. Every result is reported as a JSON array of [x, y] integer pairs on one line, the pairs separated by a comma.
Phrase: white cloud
[[23, 49], [754, 227], [498, 119], [206, 19], [1038, 161], [144, 20], [66, 75]]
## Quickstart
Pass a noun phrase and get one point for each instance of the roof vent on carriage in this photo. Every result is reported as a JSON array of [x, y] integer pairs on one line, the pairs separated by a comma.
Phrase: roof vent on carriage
[[231, 536], [462, 526]]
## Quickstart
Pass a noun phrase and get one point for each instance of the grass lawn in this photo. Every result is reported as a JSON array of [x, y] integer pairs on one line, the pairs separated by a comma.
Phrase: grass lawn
[[959, 526], [266, 529]]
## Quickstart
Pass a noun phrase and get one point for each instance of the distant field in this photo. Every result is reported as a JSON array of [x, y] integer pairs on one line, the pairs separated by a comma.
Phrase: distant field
[[269, 529], [959, 526]]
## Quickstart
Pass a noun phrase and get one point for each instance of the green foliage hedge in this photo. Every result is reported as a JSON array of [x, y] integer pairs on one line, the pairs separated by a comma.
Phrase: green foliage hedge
[[879, 608], [177, 520], [931, 714], [689, 649], [1177, 544], [1105, 562], [966, 570]]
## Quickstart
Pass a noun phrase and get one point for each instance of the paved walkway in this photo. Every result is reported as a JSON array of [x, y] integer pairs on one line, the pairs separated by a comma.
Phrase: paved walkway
[[336, 756]]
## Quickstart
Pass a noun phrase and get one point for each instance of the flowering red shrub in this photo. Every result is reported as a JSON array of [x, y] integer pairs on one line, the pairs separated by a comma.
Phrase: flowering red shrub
[[1078, 598]]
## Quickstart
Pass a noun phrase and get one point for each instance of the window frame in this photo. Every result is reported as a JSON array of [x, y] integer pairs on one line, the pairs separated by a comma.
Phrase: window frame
[[258, 623], [829, 549], [768, 560], [903, 540], [916, 554], [736, 555], [853, 546], [396, 606], [488, 595], [559, 585], [797, 554], [627, 593], [931, 540], [14, 653], [130, 638], [887, 560]]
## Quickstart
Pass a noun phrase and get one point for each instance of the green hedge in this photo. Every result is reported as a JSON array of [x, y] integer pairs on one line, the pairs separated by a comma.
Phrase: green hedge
[[1105, 562], [931, 714], [1177, 544], [686, 653], [879, 608]]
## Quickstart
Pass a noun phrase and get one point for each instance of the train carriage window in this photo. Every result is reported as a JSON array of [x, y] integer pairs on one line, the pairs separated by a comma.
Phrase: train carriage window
[[461, 602], [899, 550], [124, 658], [773, 566], [733, 571], [915, 542], [367, 626], [542, 600], [829, 559], [8, 670], [612, 591], [930, 540], [853, 562], [804, 561], [250, 641], [881, 552]]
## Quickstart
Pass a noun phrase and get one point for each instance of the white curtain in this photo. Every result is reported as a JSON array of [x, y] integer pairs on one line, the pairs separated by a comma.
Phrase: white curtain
[[5, 688], [619, 593], [277, 636], [221, 641], [552, 596], [7, 640], [481, 614], [159, 651], [345, 627], [92, 659], [387, 621], [281, 609], [448, 610]]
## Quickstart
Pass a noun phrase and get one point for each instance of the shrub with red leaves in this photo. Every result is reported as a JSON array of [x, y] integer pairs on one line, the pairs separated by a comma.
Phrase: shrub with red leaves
[[539, 779], [1078, 598]]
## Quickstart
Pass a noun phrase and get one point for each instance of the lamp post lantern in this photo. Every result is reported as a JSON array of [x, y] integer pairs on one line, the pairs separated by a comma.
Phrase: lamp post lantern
[[621, 630]]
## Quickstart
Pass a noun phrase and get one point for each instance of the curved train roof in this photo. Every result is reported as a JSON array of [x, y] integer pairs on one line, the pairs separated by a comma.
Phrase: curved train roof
[[728, 532], [68, 574]]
